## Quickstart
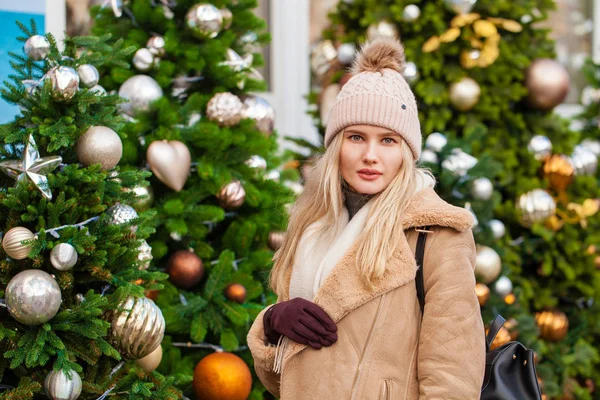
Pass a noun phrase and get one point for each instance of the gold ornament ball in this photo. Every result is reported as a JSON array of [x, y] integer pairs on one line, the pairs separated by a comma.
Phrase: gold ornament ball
[[487, 264], [553, 325], [275, 240], [144, 198], [185, 269], [483, 293], [502, 337], [464, 94], [559, 171], [232, 195], [535, 206], [150, 362], [222, 376], [99, 145], [548, 83], [236, 292], [12, 242]]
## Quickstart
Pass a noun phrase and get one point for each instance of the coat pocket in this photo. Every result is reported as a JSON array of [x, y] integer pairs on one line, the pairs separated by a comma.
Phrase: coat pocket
[[386, 392]]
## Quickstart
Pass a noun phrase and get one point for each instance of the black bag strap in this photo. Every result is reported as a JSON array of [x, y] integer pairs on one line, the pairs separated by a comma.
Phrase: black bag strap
[[493, 331], [419, 256]]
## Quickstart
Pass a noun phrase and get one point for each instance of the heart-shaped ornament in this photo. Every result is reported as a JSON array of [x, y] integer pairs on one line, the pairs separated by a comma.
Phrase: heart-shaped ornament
[[170, 161]]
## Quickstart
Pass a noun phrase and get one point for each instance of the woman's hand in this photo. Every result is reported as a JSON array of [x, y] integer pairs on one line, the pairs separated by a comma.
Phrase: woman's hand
[[301, 321]]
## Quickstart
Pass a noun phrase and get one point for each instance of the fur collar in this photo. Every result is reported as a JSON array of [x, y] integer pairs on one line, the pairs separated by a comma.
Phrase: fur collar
[[343, 290]]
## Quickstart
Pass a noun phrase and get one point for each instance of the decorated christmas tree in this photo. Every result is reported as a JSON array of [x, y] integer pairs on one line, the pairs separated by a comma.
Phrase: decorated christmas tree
[[74, 256], [486, 82], [216, 186]]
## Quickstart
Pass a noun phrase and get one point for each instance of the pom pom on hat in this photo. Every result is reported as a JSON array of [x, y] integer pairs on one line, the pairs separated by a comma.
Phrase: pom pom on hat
[[379, 54]]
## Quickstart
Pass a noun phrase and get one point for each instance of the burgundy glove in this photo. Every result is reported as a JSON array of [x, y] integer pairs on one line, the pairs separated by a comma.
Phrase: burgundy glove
[[301, 321]]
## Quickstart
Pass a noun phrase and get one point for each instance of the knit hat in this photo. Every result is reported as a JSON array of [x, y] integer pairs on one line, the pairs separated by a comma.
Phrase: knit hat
[[378, 94]]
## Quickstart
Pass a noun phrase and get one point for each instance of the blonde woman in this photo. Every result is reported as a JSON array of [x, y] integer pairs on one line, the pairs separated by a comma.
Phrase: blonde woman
[[347, 323]]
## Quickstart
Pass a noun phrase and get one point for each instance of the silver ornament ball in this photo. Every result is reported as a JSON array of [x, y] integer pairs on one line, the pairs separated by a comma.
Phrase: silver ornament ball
[[204, 20], [436, 141], [225, 108], [144, 198], [498, 228], [428, 156], [503, 286], [59, 386], [120, 214], [99, 145], [346, 53], [592, 145], [143, 60], [411, 13], [540, 146], [140, 91], [88, 75], [33, 297], [459, 162], [411, 73], [273, 175], [257, 162], [16, 242], [137, 327], [98, 90], [156, 45], [322, 56], [535, 206], [64, 82], [584, 161], [296, 187], [382, 29], [249, 42], [460, 6], [482, 189], [144, 255], [37, 47], [259, 110], [63, 257], [487, 264]]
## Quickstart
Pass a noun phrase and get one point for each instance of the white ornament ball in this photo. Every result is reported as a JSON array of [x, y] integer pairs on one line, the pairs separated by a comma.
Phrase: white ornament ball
[[411, 13], [13, 242], [32, 297], [346, 53], [411, 73], [259, 110], [37, 47], [120, 214], [98, 90], [428, 156], [59, 386], [273, 175], [540, 146], [464, 94], [382, 29], [436, 141], [143, 60], [503, 286], [459, 162], [482, 189], [257, 162], [88, 75], [487, 264], [584, 161], [156, 45], [592, 145], [140, 91], [63, 257], [498, 228], [99, 145]]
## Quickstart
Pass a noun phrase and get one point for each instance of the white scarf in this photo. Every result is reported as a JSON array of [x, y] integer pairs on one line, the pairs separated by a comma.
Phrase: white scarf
[[318, 254]]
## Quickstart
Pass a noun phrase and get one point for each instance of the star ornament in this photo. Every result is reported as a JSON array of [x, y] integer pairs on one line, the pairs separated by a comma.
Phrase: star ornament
[[33, 167]]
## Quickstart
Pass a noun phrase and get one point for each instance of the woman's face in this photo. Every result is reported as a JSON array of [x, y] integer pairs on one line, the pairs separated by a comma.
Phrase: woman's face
[[370, 157]]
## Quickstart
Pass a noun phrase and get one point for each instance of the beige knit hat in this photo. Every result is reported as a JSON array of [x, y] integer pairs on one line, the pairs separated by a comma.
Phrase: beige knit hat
[[378, 95]]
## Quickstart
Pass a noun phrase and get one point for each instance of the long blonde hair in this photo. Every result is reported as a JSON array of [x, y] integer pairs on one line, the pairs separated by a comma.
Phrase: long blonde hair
[[323, 197]]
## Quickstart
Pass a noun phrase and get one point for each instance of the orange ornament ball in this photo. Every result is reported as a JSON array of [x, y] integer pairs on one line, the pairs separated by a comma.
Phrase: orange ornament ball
[[236, 292], [221, 376]]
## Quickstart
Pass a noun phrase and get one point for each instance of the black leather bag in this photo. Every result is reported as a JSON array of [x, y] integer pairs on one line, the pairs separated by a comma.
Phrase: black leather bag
[[509, 369]]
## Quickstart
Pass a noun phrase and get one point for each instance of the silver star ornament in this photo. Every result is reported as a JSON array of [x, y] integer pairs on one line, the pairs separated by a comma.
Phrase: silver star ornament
[[32, 166]]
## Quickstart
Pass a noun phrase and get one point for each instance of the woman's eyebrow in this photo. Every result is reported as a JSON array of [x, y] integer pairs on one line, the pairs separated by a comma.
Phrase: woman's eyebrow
[[388, 133]]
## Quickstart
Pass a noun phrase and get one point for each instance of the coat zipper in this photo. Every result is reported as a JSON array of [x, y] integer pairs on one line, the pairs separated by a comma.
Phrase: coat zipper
[[362, 357]]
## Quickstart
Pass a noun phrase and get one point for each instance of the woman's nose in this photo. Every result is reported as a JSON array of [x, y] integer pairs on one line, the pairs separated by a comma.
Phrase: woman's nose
[[370, 155]]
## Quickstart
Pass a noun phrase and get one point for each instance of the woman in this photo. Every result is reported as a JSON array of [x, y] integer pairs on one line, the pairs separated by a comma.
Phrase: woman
[[347, 323]]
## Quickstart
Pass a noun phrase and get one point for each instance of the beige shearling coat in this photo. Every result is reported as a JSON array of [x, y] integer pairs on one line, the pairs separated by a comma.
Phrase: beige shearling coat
[[385, 350]]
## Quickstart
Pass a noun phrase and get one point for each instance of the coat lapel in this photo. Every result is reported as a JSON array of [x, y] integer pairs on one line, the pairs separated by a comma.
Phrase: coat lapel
[[344, 291]]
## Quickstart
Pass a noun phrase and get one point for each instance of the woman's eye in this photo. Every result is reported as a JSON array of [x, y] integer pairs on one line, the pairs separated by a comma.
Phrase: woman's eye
[[388, 140], [355, 138]]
